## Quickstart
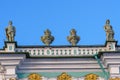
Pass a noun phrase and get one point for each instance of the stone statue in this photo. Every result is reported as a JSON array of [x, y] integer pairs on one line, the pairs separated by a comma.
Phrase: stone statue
[[73, 38], [47, 39], [10, 32], [109, 31]]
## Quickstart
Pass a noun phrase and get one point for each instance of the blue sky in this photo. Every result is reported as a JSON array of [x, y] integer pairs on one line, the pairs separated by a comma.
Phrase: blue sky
[[32, 17]]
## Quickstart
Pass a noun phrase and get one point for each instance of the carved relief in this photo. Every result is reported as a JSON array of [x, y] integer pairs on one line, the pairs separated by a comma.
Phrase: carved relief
[[64, 76], [34, 76], [91, 77]]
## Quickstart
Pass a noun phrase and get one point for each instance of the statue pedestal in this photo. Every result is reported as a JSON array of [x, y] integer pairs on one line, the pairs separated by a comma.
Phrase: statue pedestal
[[111, 45], [10, 46]]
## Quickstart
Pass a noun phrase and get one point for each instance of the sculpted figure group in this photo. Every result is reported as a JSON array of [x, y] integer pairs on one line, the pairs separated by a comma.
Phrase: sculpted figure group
[[47, 39]]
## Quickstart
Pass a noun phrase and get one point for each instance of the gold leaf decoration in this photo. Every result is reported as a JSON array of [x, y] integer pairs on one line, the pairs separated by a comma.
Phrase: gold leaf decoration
[[91, 77], [115, 78], [34, 76], [64, 76]]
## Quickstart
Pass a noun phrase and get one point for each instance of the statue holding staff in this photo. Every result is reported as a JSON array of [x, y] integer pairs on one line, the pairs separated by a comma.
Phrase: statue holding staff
[[10, 32]]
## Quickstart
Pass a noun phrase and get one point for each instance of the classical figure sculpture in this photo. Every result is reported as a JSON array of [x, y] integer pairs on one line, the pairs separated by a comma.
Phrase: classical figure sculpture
[[10, 32], [109, 31], [47, 39], [73, 38]]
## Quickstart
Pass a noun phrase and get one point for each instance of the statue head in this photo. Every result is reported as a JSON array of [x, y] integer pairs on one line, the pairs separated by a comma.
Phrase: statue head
[[10, 22], [73, 32], [47, 32], [107, 21]]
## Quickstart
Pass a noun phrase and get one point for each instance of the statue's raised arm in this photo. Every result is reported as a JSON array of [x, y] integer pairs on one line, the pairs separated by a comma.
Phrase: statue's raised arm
[[10, 32], [109, 31]]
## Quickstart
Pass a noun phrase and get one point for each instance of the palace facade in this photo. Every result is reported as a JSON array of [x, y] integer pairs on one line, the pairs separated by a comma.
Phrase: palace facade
[[67, 62]]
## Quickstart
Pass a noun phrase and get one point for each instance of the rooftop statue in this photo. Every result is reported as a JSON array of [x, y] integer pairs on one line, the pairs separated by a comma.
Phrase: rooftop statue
[[109, 31], [47, 39], [73, 38], [10, 32]]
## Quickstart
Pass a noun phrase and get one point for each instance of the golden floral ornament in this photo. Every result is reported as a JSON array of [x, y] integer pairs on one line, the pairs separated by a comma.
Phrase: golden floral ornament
[[115, 78], [64, 76], [91, 77], [12, 79], [34, 76]]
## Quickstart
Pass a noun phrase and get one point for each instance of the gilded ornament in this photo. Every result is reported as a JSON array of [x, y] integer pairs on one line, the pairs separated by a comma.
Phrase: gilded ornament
[[34, 76], [115, 78], [12, 79], [64, 76], [91, 77]]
